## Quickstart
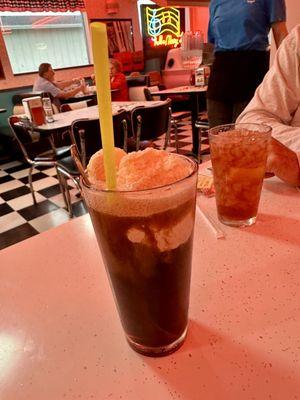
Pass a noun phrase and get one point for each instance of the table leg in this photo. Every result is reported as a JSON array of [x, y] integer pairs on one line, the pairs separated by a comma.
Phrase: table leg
[[195, 111]]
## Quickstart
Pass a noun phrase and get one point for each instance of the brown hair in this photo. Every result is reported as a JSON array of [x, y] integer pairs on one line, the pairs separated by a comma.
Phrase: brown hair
[[43, 68], [117, 64]]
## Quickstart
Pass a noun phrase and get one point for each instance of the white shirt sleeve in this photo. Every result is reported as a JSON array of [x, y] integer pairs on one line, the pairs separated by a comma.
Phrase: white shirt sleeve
[[276, 101], [43, 85], [54, 90]]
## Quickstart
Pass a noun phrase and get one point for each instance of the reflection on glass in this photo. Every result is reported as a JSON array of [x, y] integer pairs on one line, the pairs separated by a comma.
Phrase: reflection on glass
[[11, 351], [119, 35], [192, 49]]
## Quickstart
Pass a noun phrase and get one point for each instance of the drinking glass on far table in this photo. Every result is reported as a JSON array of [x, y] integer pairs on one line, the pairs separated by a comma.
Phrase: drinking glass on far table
[[239, 156]]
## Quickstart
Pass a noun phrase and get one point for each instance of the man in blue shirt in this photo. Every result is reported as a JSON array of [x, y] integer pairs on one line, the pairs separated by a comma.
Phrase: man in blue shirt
[[239, 31]]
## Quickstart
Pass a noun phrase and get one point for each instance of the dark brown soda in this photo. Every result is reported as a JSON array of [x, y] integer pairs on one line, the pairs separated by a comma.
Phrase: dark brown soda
[[151, 287], [38, 115]]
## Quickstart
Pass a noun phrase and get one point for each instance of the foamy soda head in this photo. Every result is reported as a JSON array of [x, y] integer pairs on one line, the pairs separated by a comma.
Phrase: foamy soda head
[[149, 182], [140, 170], [95, 168]]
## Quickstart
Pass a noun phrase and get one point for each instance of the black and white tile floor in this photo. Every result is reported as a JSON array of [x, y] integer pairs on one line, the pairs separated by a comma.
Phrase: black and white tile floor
[[21, 219]]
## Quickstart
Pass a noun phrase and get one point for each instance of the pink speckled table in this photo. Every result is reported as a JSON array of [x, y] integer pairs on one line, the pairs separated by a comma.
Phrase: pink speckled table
[[60, 337]]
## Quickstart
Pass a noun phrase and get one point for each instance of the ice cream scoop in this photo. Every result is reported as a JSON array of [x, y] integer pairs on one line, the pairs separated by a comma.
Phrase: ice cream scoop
[[151, 168], [95, 166], [141, 170]]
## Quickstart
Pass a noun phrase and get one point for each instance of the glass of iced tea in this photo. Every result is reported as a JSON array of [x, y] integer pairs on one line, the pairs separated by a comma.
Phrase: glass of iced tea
[[239, 156]]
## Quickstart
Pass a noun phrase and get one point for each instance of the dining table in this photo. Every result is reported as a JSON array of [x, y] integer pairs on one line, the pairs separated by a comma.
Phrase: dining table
[[89, 94], [61, 338], [64, 120], [195, 93], [80, 97]]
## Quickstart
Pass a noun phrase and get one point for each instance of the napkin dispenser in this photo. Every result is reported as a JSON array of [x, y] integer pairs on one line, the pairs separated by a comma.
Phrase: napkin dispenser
[[33, 108]]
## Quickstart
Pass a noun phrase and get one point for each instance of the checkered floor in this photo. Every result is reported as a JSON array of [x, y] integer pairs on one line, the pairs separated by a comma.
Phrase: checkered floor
[[21, 219], [184, 140]]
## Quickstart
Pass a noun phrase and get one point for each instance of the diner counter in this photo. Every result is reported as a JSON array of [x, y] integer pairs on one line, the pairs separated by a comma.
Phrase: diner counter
[[60, 336]]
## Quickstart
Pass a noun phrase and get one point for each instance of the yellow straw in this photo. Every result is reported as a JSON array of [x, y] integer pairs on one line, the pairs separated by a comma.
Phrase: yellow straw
[[102, 77]]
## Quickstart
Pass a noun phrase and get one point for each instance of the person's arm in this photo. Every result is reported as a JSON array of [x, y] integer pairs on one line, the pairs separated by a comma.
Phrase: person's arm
[[210, 32], [283, 162], [276, 100], [118, 81], [70, 93], [280, 31], [64, 84]]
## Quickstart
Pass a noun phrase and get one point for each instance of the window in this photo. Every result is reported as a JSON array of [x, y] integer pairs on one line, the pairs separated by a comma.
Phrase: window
[[34, 38]]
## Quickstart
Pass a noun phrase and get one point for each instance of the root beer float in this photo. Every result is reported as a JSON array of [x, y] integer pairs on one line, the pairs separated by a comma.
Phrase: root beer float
[[144, 229], [142, 207]]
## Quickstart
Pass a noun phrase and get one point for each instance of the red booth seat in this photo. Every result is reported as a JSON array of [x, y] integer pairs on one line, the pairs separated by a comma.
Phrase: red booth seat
[[138, 60], [131, 61]]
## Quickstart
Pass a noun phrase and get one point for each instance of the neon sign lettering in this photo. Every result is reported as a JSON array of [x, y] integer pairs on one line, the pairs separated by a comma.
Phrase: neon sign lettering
[[163, 26], [167, 40]]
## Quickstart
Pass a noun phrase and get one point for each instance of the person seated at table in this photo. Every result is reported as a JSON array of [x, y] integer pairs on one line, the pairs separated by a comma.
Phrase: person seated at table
[[276, 103], [59, 90], [118, 82]]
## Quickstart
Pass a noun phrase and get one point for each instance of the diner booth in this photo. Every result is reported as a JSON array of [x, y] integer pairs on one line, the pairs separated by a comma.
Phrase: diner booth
[[136, 261]]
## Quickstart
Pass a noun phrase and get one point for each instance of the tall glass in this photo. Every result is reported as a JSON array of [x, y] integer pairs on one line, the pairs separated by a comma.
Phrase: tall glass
[[192, 50], [146, 240], [239, 156]]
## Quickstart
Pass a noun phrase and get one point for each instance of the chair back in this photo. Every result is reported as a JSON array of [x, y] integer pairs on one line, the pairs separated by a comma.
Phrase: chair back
[[17, 98], [76, 105], [138, 60], [85, 134], [18, 110], [18, 105], [136, 93], [125, 58], [154, 78], [29, 141], [149, 123], [136, 80], [148, 93]]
